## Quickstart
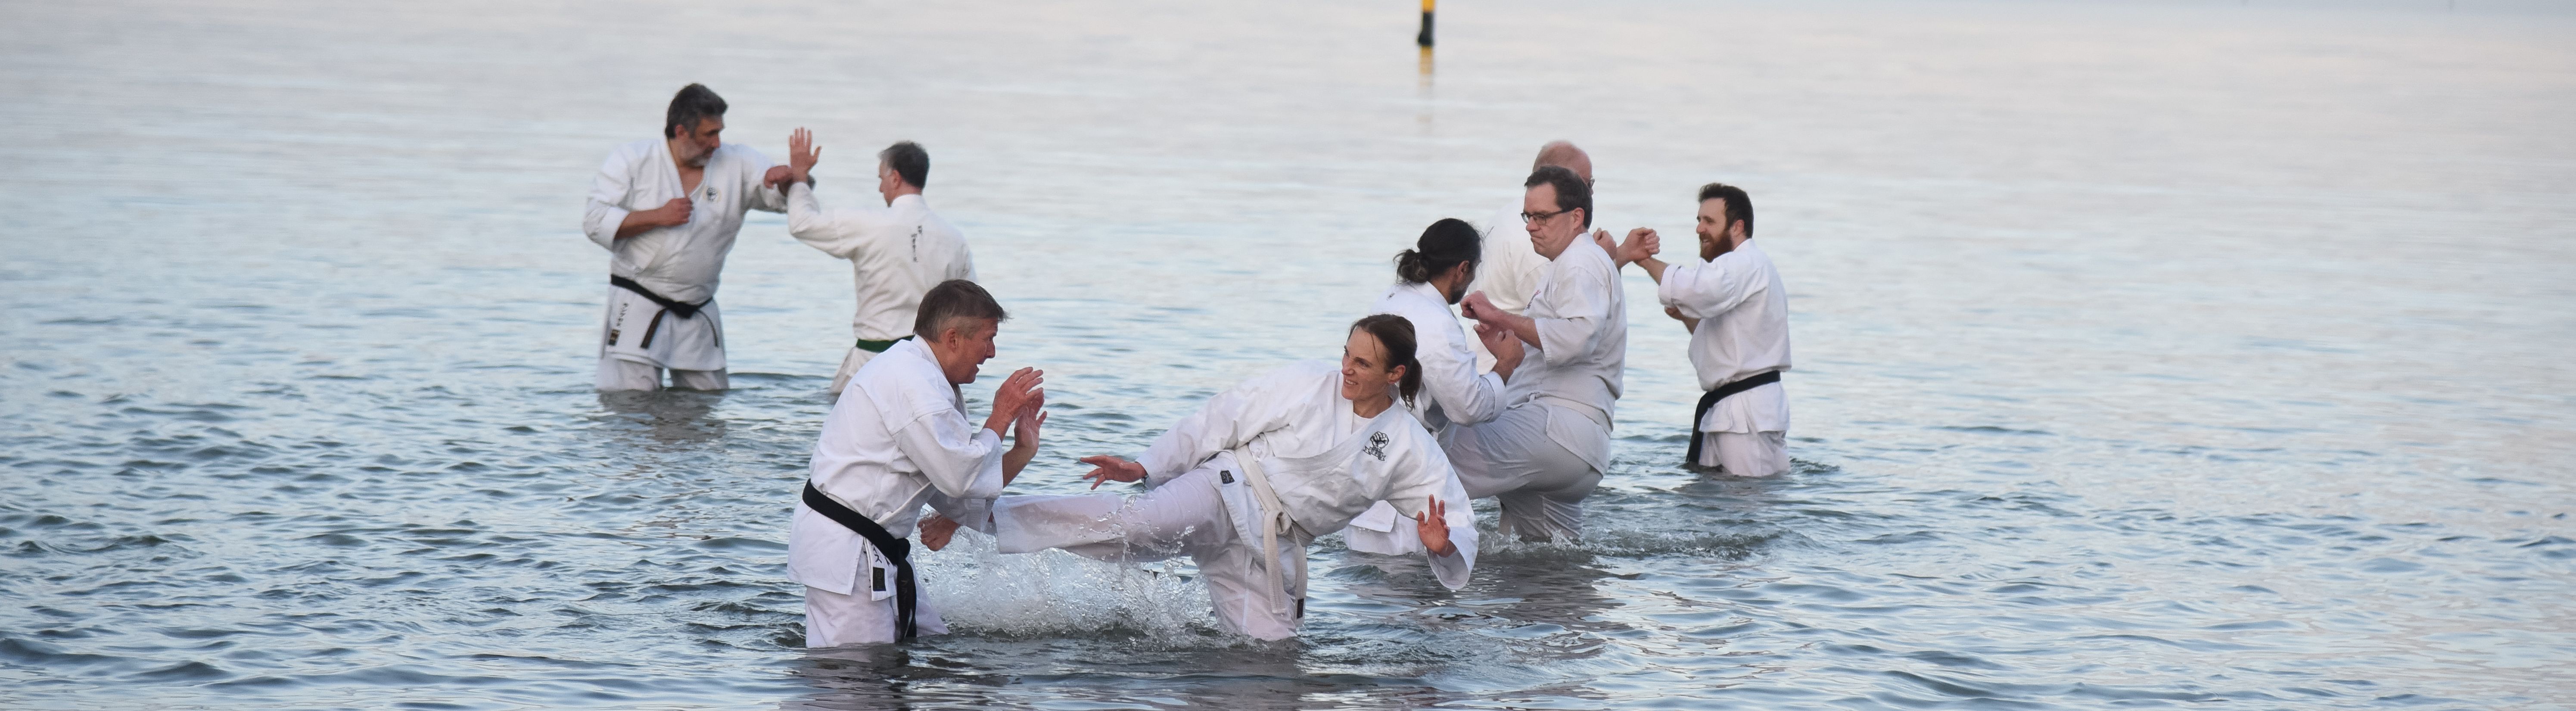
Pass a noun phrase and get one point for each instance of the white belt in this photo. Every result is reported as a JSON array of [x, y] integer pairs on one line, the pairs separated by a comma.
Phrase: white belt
[[1275, 523]]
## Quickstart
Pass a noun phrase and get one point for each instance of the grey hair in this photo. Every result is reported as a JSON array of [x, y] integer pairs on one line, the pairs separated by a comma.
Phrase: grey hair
[[950, 302]]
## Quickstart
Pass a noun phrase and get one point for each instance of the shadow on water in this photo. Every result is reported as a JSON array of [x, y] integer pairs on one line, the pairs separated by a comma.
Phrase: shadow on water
[[664, 419]]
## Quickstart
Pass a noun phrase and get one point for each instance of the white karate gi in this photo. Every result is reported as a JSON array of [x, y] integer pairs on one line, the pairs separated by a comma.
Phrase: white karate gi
[[1743, 331], [899, 439], [896, 254], [1325, 463], [680, 263], [1510, 268], [1506, 272], [1453, 393], [1548, 448]]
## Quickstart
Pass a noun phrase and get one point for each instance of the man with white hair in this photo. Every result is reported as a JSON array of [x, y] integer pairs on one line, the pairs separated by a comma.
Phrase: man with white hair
[[896, 441]]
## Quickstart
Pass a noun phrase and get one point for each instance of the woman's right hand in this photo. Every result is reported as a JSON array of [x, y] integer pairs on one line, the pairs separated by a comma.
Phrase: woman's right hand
[[1107, 468]]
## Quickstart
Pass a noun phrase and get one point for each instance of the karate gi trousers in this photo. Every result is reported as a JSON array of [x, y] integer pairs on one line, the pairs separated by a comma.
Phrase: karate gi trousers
[[1745, 453], [642, 337], [835, 620], [1512, 458], [1185, 516]]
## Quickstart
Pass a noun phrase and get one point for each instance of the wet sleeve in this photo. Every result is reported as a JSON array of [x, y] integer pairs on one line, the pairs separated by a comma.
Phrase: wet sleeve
[[960, 462], [1709, 289], [605, 209], [972, 513]]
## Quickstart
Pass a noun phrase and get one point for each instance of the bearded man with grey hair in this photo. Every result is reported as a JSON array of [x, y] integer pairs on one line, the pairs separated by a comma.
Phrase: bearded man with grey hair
[[667, 211]]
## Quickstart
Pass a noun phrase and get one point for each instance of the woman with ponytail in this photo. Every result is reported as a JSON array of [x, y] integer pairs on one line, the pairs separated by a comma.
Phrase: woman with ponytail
[[1431, 277], [1245, 483]]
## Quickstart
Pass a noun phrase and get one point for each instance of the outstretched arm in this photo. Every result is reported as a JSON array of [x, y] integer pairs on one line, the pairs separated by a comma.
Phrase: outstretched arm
[[1640, 249]]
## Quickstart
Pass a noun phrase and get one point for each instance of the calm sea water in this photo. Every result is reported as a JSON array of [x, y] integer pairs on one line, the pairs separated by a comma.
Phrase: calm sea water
[[2150, 355]]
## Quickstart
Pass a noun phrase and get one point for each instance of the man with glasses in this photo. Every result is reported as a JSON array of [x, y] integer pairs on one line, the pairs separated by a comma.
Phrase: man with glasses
[[1509, 269], [1548, 448]]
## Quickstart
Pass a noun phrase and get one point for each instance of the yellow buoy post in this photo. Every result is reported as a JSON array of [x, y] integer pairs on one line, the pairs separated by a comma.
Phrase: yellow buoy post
[[1424, 39]]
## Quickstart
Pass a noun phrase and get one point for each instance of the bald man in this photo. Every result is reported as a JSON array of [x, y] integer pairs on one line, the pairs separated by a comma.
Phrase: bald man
[[1508, 273]]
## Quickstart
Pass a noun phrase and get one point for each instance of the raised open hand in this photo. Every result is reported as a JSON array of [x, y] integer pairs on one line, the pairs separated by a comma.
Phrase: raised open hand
[[802, 154], [1018, 395], [1024, 431], [1433, 527]]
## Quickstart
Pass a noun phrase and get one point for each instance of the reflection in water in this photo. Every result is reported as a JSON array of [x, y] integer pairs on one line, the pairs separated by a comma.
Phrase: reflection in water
[[1424, 118], [669, 420]]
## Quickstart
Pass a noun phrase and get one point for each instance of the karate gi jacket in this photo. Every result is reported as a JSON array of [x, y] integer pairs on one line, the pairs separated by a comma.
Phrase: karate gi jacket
[[1578, 364], [897, 439], [682, 262], [896, 254], [1453, 391], [1326, 463], [1743, 313]]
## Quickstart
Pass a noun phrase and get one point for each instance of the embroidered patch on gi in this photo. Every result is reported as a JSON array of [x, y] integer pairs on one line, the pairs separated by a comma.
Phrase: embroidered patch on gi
[[1377, 446], [1226, 477], [711, 193]]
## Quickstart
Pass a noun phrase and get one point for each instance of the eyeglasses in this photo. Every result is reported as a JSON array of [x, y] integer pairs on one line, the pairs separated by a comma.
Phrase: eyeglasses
[[1538, 217]]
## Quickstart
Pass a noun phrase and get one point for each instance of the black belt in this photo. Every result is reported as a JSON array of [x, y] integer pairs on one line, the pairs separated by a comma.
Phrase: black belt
[[897, 550], [1710, 400], [685, 310]]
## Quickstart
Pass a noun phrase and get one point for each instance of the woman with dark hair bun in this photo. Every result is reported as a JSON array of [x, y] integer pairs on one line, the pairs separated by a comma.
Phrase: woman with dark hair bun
[[1245, 483], [1432, 276]]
